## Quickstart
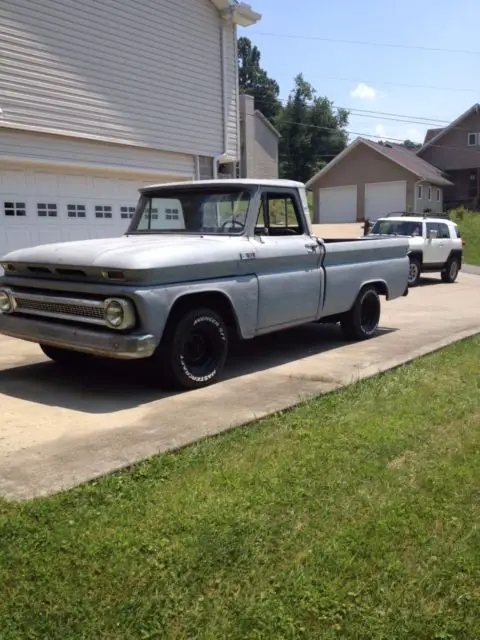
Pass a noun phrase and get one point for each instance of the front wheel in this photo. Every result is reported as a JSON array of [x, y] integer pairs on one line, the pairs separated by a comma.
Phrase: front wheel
[[450, 274], [194, 349], [361, 322]]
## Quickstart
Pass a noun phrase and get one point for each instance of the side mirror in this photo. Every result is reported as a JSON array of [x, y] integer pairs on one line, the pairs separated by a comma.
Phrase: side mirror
[[432, 234]]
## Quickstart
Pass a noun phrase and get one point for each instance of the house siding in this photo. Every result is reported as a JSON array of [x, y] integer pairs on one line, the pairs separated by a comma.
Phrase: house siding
[[451, 151], [424, 203], [20, 146], [363, 165], [266, 150], [259, 143], [120, 70]]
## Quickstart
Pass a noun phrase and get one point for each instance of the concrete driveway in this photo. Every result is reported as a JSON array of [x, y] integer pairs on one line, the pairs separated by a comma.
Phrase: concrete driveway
[[56, 432]]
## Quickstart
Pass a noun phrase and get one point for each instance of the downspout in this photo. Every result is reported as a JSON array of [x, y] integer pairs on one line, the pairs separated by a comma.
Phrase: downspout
[[225, 16], [237, 89], [415, 199]]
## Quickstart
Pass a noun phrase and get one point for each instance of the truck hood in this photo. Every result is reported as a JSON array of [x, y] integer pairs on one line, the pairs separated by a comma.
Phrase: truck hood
[[159, 258], [129, 251]]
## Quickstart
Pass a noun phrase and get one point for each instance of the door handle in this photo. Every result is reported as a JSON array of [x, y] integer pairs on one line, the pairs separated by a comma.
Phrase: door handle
[[311, 247]]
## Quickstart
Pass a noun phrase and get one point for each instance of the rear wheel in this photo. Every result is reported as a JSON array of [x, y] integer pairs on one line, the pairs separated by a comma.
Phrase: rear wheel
[[414, 272], [361, 322], [450, 274], [64, 357], [193, 350]]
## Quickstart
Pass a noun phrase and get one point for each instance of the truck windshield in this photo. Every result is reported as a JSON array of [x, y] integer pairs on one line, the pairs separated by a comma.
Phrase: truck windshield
[[202, 211], [397, 228]]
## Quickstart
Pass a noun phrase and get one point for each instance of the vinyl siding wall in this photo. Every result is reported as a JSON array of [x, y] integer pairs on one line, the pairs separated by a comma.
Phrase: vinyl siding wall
[[451, 151], [424, 203], [19, 147], [266, 150], [146, 73]]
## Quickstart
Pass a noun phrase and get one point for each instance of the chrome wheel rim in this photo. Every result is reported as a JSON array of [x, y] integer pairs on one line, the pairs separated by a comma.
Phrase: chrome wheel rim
[[412, 273], [453, 270]]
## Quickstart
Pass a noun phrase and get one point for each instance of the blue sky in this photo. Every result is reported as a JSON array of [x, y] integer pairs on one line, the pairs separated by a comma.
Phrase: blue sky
[[368, 77]]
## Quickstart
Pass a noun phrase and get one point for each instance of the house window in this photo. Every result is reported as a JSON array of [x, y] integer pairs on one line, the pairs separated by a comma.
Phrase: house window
[[127, 212], [429, 193], [172, 214], [14, 209], [76, 211], [472, 139], [437, 195], [45, 210], [419, 192], [103, 211]]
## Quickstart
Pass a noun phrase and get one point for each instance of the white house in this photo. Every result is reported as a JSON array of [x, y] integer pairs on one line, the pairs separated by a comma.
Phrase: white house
[[100, 98]]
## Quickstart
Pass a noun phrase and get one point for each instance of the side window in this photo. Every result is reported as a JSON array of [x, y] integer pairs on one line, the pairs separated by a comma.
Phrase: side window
[[443, 231], [283, 215], [261, 221], [432, 226]]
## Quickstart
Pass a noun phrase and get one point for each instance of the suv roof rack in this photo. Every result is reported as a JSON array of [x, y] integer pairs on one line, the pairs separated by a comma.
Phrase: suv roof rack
[[431, 214]]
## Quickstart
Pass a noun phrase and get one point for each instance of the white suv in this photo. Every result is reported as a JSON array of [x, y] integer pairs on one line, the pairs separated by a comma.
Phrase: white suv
[[435, 244]]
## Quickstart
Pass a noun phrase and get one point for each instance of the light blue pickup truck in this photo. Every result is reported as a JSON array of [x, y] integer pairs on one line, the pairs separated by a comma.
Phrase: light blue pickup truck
[[201, 263]]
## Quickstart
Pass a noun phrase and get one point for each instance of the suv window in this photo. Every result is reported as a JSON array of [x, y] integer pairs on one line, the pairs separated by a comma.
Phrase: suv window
[[432, 226], [443, 230]]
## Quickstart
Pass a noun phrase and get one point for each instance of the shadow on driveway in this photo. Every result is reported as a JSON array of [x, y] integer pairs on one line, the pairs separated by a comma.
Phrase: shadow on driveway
[[109, 386]]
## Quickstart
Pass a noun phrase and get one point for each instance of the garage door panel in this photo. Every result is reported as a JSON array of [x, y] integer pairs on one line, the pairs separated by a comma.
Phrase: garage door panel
[[384, 197], [45, 184], [36, 186], [338, 204]]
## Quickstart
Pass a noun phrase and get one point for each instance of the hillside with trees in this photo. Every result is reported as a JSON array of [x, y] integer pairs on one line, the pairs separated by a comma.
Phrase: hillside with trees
[[313, 131]]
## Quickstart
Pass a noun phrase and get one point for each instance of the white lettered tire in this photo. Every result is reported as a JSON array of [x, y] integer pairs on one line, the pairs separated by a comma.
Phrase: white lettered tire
[[194, 349]]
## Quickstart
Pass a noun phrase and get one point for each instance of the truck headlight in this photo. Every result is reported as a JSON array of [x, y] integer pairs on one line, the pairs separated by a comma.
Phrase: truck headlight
[[119, 314], [7, 303]]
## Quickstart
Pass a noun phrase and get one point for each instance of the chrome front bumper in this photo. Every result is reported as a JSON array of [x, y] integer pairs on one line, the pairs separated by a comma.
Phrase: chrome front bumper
[[99, 343]]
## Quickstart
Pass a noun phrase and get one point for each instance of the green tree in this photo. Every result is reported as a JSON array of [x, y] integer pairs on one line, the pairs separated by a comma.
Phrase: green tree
[[409, 144], [255, 81], [313, 132]]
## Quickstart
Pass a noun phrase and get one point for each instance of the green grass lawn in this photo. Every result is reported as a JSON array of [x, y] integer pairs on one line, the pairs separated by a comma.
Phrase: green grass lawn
[[354, 516], [469, 223]]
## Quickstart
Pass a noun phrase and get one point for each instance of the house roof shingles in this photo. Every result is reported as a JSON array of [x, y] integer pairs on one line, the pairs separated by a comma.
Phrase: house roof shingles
[[431, 133], [407, 159], [411, 162]]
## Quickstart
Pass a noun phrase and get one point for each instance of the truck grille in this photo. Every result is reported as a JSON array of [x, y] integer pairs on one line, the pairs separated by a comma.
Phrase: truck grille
[[90, 311]]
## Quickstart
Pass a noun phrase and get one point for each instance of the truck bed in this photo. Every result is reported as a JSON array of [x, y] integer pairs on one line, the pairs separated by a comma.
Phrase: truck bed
[[383, 261]]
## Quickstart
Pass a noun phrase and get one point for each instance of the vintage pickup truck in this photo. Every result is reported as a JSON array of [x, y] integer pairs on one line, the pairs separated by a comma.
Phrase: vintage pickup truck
[[200, 263]]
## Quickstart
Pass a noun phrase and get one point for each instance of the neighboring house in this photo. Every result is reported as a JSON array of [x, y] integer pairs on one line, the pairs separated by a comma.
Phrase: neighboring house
[[100, 98], [455, 149], [368, 180], [259, 142]]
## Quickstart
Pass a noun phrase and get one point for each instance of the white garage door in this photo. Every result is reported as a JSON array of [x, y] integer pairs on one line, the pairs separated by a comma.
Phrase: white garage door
[[385, 197], [338, 204], [38, 207]]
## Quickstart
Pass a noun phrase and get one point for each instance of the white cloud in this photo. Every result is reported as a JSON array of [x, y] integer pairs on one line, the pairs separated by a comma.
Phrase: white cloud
[[364, 92], [415, 135]]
